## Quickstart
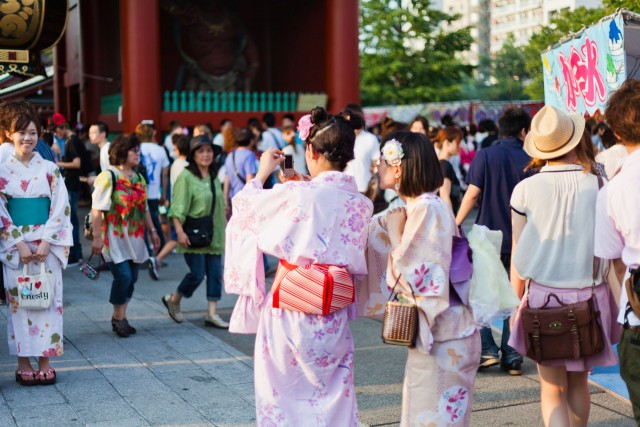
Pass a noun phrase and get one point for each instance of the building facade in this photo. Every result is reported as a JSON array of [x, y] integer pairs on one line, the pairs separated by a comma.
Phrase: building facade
[[493, 21]]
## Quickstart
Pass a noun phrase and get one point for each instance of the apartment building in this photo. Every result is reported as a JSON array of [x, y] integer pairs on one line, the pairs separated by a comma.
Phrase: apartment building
[[492, 21], [523, 18]]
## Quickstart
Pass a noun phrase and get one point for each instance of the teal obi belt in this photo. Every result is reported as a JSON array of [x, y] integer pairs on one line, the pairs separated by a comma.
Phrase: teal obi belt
[[29, 210]]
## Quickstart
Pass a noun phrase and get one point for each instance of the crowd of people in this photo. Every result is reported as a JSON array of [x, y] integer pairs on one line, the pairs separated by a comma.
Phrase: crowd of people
[[359, 216]]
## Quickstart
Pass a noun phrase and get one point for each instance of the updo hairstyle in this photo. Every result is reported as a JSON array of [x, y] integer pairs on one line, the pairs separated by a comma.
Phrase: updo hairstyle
[[332, 136]]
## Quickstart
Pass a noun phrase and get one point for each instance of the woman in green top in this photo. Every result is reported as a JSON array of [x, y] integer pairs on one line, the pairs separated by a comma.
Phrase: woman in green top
[[192, 197]]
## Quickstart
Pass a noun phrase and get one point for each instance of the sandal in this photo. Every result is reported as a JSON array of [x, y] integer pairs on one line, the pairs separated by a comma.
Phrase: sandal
[[47, 377], [31, 379]]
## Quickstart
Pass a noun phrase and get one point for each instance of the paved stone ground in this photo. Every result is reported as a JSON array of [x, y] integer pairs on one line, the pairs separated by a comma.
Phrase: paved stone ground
[[171, 374]]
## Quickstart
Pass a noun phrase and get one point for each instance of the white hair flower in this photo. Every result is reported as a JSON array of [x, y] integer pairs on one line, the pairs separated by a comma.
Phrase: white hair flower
[[392, 152]]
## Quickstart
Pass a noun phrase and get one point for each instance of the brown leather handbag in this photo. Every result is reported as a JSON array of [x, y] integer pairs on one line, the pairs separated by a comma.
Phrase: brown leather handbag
[[570, 331], [400, 322]]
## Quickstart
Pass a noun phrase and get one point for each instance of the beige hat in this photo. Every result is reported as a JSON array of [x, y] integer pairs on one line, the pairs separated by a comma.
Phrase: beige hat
[[553, 133]]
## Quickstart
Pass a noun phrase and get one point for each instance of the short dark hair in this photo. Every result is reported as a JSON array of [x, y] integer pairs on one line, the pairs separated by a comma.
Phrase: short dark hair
[[289, 116], [244, 137], [224, 122], [181, 142], [354, 107], [623, 112], [254, 123], [423, 120], [174, 124], [487, 125], [269, 119], [355, 117], [102, 127], [609, 138], [16, 116], [512, 121], [119, 149], [421, 172]]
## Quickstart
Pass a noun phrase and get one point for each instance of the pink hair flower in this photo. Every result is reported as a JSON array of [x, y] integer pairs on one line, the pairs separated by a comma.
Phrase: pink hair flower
[[304, 126]]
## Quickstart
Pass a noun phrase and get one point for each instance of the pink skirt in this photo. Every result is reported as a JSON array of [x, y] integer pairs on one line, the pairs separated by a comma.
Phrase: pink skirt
[[611, 330]]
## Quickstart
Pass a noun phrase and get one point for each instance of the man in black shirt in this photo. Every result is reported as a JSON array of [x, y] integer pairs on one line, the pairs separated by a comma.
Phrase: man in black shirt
[[71, 165]]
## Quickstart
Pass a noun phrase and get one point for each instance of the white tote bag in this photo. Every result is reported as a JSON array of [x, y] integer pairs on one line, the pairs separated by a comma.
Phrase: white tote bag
[[35, 290]]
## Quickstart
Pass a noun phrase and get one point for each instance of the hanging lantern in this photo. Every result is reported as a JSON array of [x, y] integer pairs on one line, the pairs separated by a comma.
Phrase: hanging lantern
[[26, 28]]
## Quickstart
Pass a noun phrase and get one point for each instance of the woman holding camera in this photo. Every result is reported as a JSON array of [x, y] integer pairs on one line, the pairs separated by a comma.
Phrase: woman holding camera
[[119, 217], [198, 195], [410, 250], [303, 361]]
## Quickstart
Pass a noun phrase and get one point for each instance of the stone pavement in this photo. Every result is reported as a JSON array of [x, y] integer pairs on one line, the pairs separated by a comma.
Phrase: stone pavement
[[186, 374]]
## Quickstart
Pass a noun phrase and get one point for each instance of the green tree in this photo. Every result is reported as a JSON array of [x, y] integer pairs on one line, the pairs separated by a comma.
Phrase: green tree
[[406, 56], [561, 25]]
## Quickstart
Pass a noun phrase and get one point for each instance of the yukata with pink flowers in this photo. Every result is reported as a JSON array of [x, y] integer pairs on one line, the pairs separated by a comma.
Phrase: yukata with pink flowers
[[303, 362], [440, 371], [34, 332]]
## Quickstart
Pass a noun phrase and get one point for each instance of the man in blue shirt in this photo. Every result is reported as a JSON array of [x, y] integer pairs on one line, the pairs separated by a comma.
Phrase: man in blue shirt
[[493, 174]]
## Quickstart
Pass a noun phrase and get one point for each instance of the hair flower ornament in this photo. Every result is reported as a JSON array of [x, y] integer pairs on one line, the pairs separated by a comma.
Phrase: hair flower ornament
[[304, 126], [392, 152]]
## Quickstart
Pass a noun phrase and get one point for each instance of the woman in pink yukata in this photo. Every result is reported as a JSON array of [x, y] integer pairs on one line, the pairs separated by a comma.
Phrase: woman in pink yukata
[[412, 247], [303, 362]]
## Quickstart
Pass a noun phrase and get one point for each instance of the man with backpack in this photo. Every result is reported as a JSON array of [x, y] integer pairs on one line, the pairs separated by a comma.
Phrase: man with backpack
[[75, 162]]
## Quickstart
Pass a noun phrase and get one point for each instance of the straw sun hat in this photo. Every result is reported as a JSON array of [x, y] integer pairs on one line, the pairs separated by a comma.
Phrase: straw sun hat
[[553, 133]]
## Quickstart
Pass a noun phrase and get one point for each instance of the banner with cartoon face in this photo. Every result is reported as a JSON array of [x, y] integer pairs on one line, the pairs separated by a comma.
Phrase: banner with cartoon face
[[580, 74]]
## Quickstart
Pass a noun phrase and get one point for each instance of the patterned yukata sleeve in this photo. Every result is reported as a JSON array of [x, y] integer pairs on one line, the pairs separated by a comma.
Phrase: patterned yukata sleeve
[[57, 229], [10, 235], [423, 259], [257, 216], [372, 288]]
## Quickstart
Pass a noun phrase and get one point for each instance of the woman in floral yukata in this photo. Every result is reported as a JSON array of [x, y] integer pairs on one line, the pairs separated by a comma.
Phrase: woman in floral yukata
[[412, 247], [36, 230], [303, 362]]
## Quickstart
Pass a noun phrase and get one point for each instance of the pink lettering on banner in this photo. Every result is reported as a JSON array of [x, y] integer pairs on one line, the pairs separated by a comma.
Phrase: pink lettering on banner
[[588, 77], [569, 82], [581, 76]]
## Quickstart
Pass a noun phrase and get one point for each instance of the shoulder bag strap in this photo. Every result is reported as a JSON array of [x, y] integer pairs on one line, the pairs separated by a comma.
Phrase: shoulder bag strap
[[235, 168], [596, 260], [213, 194]]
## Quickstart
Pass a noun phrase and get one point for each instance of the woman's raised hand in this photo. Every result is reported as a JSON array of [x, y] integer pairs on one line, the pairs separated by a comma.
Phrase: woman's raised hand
[[269, 160], [396, 219]]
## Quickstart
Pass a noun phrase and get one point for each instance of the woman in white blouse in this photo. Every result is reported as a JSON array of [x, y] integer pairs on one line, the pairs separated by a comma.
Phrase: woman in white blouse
[[553, 215]]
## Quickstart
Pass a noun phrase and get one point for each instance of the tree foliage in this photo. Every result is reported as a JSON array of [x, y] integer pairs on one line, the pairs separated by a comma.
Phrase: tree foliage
[[406, 56], [561, 25]]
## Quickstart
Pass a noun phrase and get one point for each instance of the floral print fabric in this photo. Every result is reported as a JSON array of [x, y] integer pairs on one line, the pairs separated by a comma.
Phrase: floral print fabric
[[440, 371], [323, 221], [422, 259], [34, 332], [303, 362], [124, 223]]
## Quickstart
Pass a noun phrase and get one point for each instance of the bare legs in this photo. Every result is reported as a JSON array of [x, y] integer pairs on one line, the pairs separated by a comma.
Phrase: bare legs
[[564, 396], [120, 312], [212, 307]]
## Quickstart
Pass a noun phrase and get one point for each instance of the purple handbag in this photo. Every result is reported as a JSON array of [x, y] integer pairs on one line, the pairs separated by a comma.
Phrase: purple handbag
[[460, 270]]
